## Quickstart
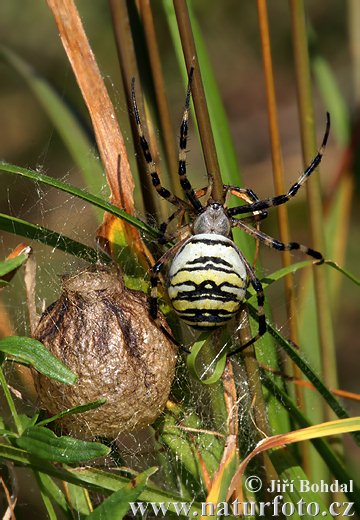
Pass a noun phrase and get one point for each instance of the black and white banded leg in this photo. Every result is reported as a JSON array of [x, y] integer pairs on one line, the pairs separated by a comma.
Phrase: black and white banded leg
[[184, 181], [246, 194], [163, 192], [255, 282], [282, 199], [277, 244]]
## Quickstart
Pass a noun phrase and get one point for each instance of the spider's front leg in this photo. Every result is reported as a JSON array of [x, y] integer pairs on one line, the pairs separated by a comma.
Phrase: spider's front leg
[[246, 194], [261, 205]]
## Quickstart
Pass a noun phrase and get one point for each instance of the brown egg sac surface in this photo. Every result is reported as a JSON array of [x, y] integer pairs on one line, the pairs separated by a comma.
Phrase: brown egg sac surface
[[103, 333]]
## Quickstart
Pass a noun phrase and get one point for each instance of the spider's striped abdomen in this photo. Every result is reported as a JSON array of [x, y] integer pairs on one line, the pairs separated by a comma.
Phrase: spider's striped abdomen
[[207, 281]]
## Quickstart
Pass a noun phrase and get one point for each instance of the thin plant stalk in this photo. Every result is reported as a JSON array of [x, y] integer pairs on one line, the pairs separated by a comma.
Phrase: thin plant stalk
[[278, 177], [129, 69], [161, 96], [313, 190], [202, 114], [308, 137]]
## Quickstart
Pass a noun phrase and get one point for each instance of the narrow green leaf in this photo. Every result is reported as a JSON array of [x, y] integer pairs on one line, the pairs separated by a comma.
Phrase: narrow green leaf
[[47, 501], [51, 491], [79, 500], [32, 352], [349, 275], [43, 443], [10, 265], [333, 98], [191, 362], [331, 459], [25, 229], [81, 194], [71, 411], [289, 471], [10, 402], [117, 505]]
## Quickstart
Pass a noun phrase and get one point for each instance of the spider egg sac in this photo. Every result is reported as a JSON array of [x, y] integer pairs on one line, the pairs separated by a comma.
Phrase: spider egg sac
[[103, 333]]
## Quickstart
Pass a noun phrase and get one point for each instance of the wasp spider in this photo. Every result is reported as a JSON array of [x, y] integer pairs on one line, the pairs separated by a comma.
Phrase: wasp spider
[[208, 274]]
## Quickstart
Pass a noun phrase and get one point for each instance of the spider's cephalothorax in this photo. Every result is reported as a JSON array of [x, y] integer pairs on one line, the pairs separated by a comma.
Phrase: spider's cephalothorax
[[208, 274]]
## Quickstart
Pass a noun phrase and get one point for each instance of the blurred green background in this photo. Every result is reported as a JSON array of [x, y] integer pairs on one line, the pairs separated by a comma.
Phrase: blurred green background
[[230, 31]]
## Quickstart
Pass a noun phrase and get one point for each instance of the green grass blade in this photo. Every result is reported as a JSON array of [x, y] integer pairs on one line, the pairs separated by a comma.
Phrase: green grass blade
[[117, 505], [333, 99], [50, 238], [79, 500], [81, 194], [7, 266], [71, 411], [50, 491]]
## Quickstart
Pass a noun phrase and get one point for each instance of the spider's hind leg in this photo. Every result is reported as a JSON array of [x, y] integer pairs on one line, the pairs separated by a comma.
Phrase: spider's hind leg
[[156, 271], [255, 282], [277, 244]]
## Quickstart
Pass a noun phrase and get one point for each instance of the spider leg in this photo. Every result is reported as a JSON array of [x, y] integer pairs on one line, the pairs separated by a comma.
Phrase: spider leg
[[255, 282], [163, 192], [154, 281], [282, 199], [246, 194], [185, 183], [163, 239], [276, 244]]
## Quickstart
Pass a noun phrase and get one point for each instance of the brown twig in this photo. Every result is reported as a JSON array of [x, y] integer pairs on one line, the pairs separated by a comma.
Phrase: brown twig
[[161, 97], [202, 114], [278, 177]]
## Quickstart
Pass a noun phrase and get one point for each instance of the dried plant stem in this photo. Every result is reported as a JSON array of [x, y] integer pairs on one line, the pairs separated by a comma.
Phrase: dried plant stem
[[108, 136], [129, 70], [161, 97], [265, 469], [202, 114], [302, 64], [278, 176]]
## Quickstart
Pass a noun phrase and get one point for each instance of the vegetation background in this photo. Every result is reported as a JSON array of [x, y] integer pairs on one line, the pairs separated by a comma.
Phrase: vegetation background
[[231, 34]]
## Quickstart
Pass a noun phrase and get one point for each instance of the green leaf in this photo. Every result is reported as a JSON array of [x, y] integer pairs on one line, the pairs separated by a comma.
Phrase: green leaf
[[50, 491], [71, 411], [81, 194], [25, 229], [7, 266], [349, 275], [333, 98], [191, 362], [117, 505], [79, 500], [32, 352], [43, 443]]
